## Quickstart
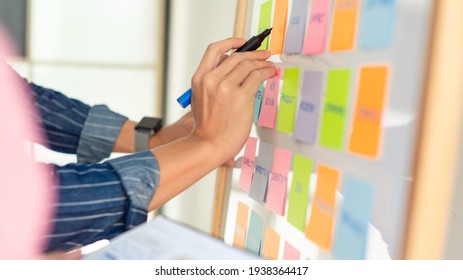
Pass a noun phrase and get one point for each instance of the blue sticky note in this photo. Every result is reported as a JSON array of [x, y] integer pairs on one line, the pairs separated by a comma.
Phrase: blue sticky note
[[254, 234], [295, 30], [258, 102], [377, 24], [351, 233]]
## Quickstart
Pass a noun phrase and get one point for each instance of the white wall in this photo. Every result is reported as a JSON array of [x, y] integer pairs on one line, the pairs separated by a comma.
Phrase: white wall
[[193, 25], [100, 52]]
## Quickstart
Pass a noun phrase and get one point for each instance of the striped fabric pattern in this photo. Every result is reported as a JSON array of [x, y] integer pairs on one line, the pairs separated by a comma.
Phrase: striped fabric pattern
[[95, 200]]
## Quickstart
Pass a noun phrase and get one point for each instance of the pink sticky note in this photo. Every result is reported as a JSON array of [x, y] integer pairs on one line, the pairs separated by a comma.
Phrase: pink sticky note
[[26, 194], [278, 184], [269, 102], [290, 253], [315, 37], [247, 164]]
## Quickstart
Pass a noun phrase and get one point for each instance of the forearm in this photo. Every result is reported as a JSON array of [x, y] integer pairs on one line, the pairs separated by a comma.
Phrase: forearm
[[182, 163]]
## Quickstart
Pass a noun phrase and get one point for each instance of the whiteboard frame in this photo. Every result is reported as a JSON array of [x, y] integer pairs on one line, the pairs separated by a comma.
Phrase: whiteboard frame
[[435, 159]]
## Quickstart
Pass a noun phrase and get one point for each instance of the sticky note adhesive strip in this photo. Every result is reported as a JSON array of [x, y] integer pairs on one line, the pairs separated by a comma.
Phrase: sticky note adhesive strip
[[247, 164], [320, 226], [278, 182], [278, 27], [377, 24], [352, 226], [296, 27], [269, 103], [271, 245], [254, 235], [288, 100], [335, 109], [306, 126], [265, 21], [239, 238], [299, 191], [344, 25], [315, 38], [366, 127], [259, 183]]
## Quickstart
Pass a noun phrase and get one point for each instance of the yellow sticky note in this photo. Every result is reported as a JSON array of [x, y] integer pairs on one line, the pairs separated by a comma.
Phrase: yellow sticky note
[[239, 239], [271, 244], [344, 25], [279, 27], [320, 226], [366, 128]]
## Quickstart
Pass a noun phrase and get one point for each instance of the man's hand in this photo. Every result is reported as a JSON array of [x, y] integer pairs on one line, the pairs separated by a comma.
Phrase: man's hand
[[181, 128]]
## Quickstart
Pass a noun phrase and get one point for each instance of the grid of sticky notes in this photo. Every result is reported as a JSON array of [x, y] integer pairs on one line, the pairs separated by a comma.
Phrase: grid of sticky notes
[[313, 107], [339, 109], [313, 27], [265, 176]]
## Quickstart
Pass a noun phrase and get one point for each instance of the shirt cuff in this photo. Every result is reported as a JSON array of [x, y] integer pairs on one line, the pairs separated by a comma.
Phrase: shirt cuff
[[99, 134], [140, 176]]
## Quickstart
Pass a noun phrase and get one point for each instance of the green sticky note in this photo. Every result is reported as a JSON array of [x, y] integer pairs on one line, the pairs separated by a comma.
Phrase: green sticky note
[[288, 101], [335, 109], [264, 21], [299, 191], [255, 232]]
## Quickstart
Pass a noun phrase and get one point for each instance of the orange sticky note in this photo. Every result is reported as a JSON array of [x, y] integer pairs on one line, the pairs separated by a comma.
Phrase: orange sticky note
[[271, 244], [239, 239], [320, 226], [366, 127], [344, 25], [279, 27]]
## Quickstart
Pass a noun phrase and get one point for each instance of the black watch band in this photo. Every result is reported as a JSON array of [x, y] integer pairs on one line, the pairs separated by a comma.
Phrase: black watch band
[[143, 131]]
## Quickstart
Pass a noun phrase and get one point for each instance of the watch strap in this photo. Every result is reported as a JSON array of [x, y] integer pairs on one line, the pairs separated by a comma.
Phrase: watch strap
[[142, 139]]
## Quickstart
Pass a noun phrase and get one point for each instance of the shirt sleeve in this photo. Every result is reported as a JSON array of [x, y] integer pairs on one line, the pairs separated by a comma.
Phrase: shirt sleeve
[[75, 128], [100, 201]]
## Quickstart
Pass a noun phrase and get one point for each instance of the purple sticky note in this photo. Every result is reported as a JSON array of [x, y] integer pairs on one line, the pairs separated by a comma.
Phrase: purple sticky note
[[258, 189], [305, 128], [296, 27]]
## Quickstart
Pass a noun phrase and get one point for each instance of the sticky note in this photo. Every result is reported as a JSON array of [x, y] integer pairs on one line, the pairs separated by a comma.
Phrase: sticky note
[[299, 191], [278, 182], [271, 244], [258, 102], [247, 164], [377, 24], [259, 183], [254, 235], [308, 115], [335, 109], [315, 38], [344, 25], [264, 21], [320, 226], [279, 26], [288, 100], [290, 253], [269, 103], [366, 127], [352, 226], [295, 30], [239, 238]]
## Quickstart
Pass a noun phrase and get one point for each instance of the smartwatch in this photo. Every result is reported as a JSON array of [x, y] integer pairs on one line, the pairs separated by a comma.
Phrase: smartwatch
[[144, 130]]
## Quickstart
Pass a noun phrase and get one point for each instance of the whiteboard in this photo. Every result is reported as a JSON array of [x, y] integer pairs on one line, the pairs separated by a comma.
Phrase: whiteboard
[[390, 173]]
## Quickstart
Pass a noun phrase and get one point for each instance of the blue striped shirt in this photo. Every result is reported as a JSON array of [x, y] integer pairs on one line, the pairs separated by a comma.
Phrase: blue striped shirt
[[95, 200]]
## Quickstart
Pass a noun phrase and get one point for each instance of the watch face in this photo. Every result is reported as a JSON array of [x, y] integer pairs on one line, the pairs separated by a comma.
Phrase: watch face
[[150, 124]]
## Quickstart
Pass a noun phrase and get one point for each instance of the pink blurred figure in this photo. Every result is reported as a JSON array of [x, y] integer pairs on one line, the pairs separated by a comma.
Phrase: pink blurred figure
[[25, 188]]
